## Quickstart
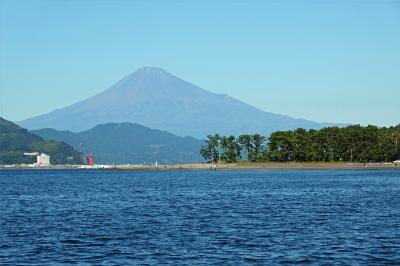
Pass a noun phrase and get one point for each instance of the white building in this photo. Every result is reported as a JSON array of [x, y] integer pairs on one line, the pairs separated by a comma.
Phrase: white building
[[43, 160]]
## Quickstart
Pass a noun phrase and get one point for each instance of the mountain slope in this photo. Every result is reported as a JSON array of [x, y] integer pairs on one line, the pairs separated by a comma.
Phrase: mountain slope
[[152, 97], [129, 143], [14, 141]]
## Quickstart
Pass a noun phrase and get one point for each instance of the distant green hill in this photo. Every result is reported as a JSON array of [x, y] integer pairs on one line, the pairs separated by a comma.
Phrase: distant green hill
[[14, 141], [129, 143]]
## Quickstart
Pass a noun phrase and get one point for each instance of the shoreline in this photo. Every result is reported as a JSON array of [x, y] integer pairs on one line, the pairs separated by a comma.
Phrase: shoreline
[[222, 166], [263, 166]]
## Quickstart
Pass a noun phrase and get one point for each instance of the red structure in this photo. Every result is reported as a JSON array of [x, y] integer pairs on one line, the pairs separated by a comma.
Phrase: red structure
[[91, 159]]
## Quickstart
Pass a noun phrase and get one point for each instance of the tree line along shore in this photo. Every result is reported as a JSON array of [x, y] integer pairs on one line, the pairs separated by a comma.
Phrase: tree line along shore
[[353, 143]]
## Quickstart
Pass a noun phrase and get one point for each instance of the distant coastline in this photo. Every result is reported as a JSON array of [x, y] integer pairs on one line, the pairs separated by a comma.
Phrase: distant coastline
[[224, 166]]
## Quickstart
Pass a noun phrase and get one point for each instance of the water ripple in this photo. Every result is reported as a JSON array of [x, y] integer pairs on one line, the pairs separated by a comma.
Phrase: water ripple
[[187, 217]]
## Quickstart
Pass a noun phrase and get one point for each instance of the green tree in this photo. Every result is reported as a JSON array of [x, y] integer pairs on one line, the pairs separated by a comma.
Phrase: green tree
[[280, 146], [246, 144], [258, 142], [230, 149], [211, 148]]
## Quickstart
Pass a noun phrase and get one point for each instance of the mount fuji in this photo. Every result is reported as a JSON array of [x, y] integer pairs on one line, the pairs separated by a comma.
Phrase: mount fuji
[[157, 99]]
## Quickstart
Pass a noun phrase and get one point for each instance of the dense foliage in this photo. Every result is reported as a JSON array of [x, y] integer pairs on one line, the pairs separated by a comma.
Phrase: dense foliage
[[352, 144], [14, 141]]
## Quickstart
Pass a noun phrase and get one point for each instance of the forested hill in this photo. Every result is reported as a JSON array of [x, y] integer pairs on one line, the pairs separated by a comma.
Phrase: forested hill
[[14, 141], [348, 144], [124, 143]]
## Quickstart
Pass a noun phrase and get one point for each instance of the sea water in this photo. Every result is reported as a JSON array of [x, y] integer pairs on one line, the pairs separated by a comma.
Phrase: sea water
[[199, 217]]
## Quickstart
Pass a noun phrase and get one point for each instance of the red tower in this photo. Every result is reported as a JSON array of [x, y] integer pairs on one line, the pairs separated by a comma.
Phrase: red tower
[[91, 159]]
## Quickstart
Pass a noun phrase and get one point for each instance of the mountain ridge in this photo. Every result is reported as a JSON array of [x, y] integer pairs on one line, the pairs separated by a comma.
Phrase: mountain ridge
[[124, 143]]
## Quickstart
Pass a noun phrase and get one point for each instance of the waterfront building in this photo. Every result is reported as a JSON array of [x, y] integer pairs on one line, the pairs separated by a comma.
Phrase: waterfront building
[[43, 160]]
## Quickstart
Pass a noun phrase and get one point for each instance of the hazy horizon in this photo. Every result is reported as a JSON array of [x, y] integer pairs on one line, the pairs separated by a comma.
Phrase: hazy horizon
[[325, 62]]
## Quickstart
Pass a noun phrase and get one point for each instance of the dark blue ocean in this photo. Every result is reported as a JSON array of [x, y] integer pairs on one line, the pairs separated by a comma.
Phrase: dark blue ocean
[[288, 217]]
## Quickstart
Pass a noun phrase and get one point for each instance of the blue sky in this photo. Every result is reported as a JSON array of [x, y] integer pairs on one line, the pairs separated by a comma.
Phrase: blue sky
[[335, 61]]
